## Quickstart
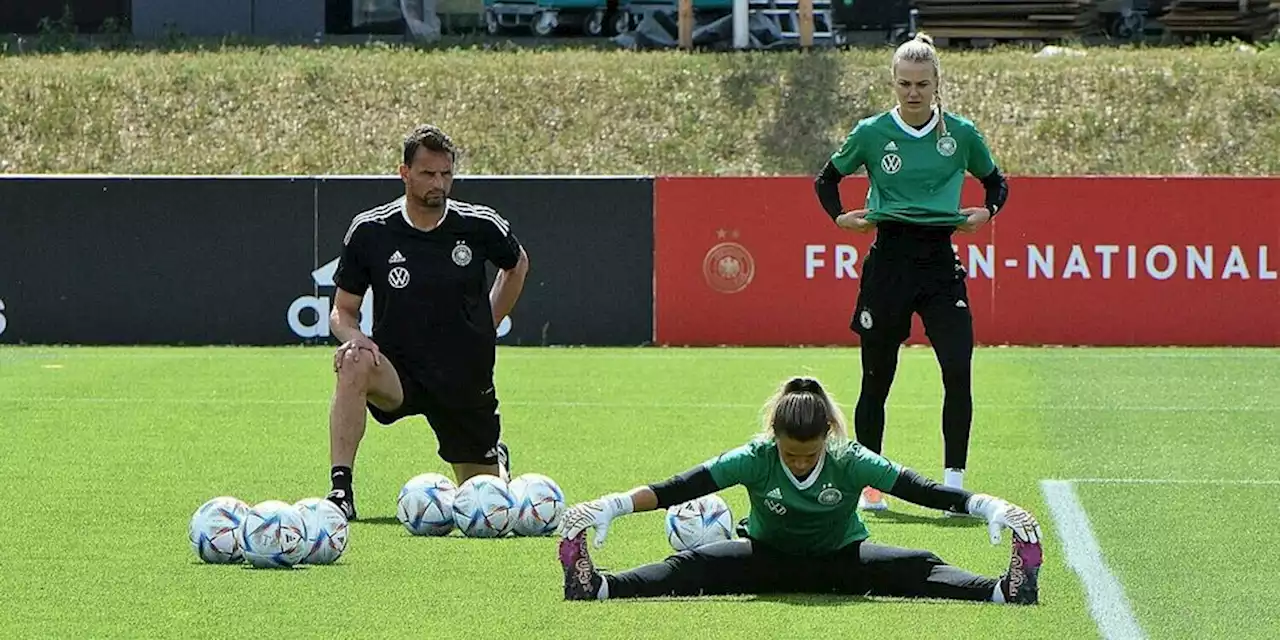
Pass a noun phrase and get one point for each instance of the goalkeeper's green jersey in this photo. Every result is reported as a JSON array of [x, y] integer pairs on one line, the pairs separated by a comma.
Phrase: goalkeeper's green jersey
[[915, 174], [806, 517]]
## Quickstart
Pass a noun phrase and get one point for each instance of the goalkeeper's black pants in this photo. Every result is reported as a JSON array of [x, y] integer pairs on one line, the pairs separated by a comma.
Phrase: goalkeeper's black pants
[[744, 566], [911, 270]]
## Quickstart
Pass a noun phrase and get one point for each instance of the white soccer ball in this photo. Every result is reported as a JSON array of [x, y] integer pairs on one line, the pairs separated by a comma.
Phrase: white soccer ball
[[539, 505], [425, 505], [214, 531], [326, 530], [483, 507], [699, 522], [274, 534]]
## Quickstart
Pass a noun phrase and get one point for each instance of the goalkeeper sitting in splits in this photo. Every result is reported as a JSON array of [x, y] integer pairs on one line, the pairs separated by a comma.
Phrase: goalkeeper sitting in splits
[[803, 534]]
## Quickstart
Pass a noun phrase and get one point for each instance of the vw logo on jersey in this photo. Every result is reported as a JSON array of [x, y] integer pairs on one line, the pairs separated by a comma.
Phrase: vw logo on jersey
[[891, 163], [398, 278], [947, 145], [462, 254]]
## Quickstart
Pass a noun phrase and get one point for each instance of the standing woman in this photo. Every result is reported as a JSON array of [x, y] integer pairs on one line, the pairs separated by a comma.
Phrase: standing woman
[[916, 156]]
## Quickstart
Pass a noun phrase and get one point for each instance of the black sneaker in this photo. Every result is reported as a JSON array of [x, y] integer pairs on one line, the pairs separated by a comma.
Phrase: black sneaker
[[345, 501], [504, 459], [581, 579], [1021, 585]]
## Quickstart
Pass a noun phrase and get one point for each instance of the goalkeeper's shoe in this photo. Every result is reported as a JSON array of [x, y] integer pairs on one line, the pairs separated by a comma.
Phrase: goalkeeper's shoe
[[872, 499], [345, 501], [1021, 585], [581, 580]]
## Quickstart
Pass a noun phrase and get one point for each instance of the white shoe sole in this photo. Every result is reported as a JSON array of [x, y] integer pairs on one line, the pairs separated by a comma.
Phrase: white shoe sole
[[873, 506]]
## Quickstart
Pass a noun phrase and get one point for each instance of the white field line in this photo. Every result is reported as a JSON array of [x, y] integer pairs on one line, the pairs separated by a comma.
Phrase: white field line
[[570, 404], [1107, 602]]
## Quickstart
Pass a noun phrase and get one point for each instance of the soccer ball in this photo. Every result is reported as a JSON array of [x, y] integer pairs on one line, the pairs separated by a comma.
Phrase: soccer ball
[[539, 505], [699, 522], [425, 505], [274, 535], [483, 507], [215, 530], [326, 530]]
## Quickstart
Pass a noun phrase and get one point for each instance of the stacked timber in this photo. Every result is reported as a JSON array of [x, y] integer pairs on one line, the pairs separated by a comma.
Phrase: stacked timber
[[1248, 19], [1008, 19]]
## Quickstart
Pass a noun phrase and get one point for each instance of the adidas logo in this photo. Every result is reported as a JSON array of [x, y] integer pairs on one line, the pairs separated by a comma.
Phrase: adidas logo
[[776, 494], [892, 146], [396, 258]]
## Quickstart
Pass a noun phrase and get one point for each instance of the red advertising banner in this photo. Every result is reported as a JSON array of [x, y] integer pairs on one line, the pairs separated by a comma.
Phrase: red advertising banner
[[1070, 261]]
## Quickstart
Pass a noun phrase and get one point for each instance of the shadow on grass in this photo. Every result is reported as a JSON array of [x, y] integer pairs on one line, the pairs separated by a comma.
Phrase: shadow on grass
[[895, 517]]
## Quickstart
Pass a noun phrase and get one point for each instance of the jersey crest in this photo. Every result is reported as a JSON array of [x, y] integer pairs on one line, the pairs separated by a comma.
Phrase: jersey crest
[[830, 496], [946, 145], [461, 254]]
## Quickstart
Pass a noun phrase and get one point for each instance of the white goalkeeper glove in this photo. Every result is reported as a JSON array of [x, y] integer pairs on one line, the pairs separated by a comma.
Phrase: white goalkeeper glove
[[597, 513], [1000, 514]]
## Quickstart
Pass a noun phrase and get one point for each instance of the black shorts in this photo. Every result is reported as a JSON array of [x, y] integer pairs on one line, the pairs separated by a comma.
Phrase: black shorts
[[904, 275], [467, 433]]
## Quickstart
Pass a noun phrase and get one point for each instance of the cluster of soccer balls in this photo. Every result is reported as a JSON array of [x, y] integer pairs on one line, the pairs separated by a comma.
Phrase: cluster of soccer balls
[[484, 506], [276, 534], [270, 534]]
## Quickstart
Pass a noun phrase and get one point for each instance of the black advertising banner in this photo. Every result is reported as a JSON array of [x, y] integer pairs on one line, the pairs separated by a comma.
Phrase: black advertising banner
[[170, 260], [589, 240], [101, 260]]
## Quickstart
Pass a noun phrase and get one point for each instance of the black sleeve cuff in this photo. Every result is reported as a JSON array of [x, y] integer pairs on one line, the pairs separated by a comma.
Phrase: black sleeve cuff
[[997, 191], [917, 489], [694, 483], [828, 188]]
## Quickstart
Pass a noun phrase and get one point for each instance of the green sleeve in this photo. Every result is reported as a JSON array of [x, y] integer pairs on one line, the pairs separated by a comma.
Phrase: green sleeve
[[873, 470], [849, 157], [733, 467], [981, 164]]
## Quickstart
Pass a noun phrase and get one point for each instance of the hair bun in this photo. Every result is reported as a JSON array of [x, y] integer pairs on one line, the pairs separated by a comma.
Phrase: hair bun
[[801, 384], [925, 38]]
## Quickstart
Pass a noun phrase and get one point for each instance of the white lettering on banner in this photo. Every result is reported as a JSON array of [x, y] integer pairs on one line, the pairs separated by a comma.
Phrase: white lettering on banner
[[846, 261], [1263, 272], [319, 328], [1039, 261], [812, 260], [1235, 265], [1106, 251], [1170, 260], [1076, 264], [3, 323], [981, 258], [1084, 262]]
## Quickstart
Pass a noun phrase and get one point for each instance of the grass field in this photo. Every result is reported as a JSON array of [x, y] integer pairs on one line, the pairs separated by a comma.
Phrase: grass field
[[333, 110], [107, 451]]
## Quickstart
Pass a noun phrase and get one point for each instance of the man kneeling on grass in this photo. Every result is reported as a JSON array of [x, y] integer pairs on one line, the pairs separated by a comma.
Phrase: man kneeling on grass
[[803, 534]]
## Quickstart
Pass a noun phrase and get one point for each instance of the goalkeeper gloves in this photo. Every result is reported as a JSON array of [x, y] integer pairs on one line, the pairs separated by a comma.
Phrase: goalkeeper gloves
[[1000, 514], [598, 513]]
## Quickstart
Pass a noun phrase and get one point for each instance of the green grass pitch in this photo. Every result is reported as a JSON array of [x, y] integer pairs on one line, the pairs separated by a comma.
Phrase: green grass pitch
[[107, 451]]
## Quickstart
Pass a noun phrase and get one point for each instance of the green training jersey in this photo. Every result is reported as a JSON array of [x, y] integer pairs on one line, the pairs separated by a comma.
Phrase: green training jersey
[[814, 516], [915, 174]]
